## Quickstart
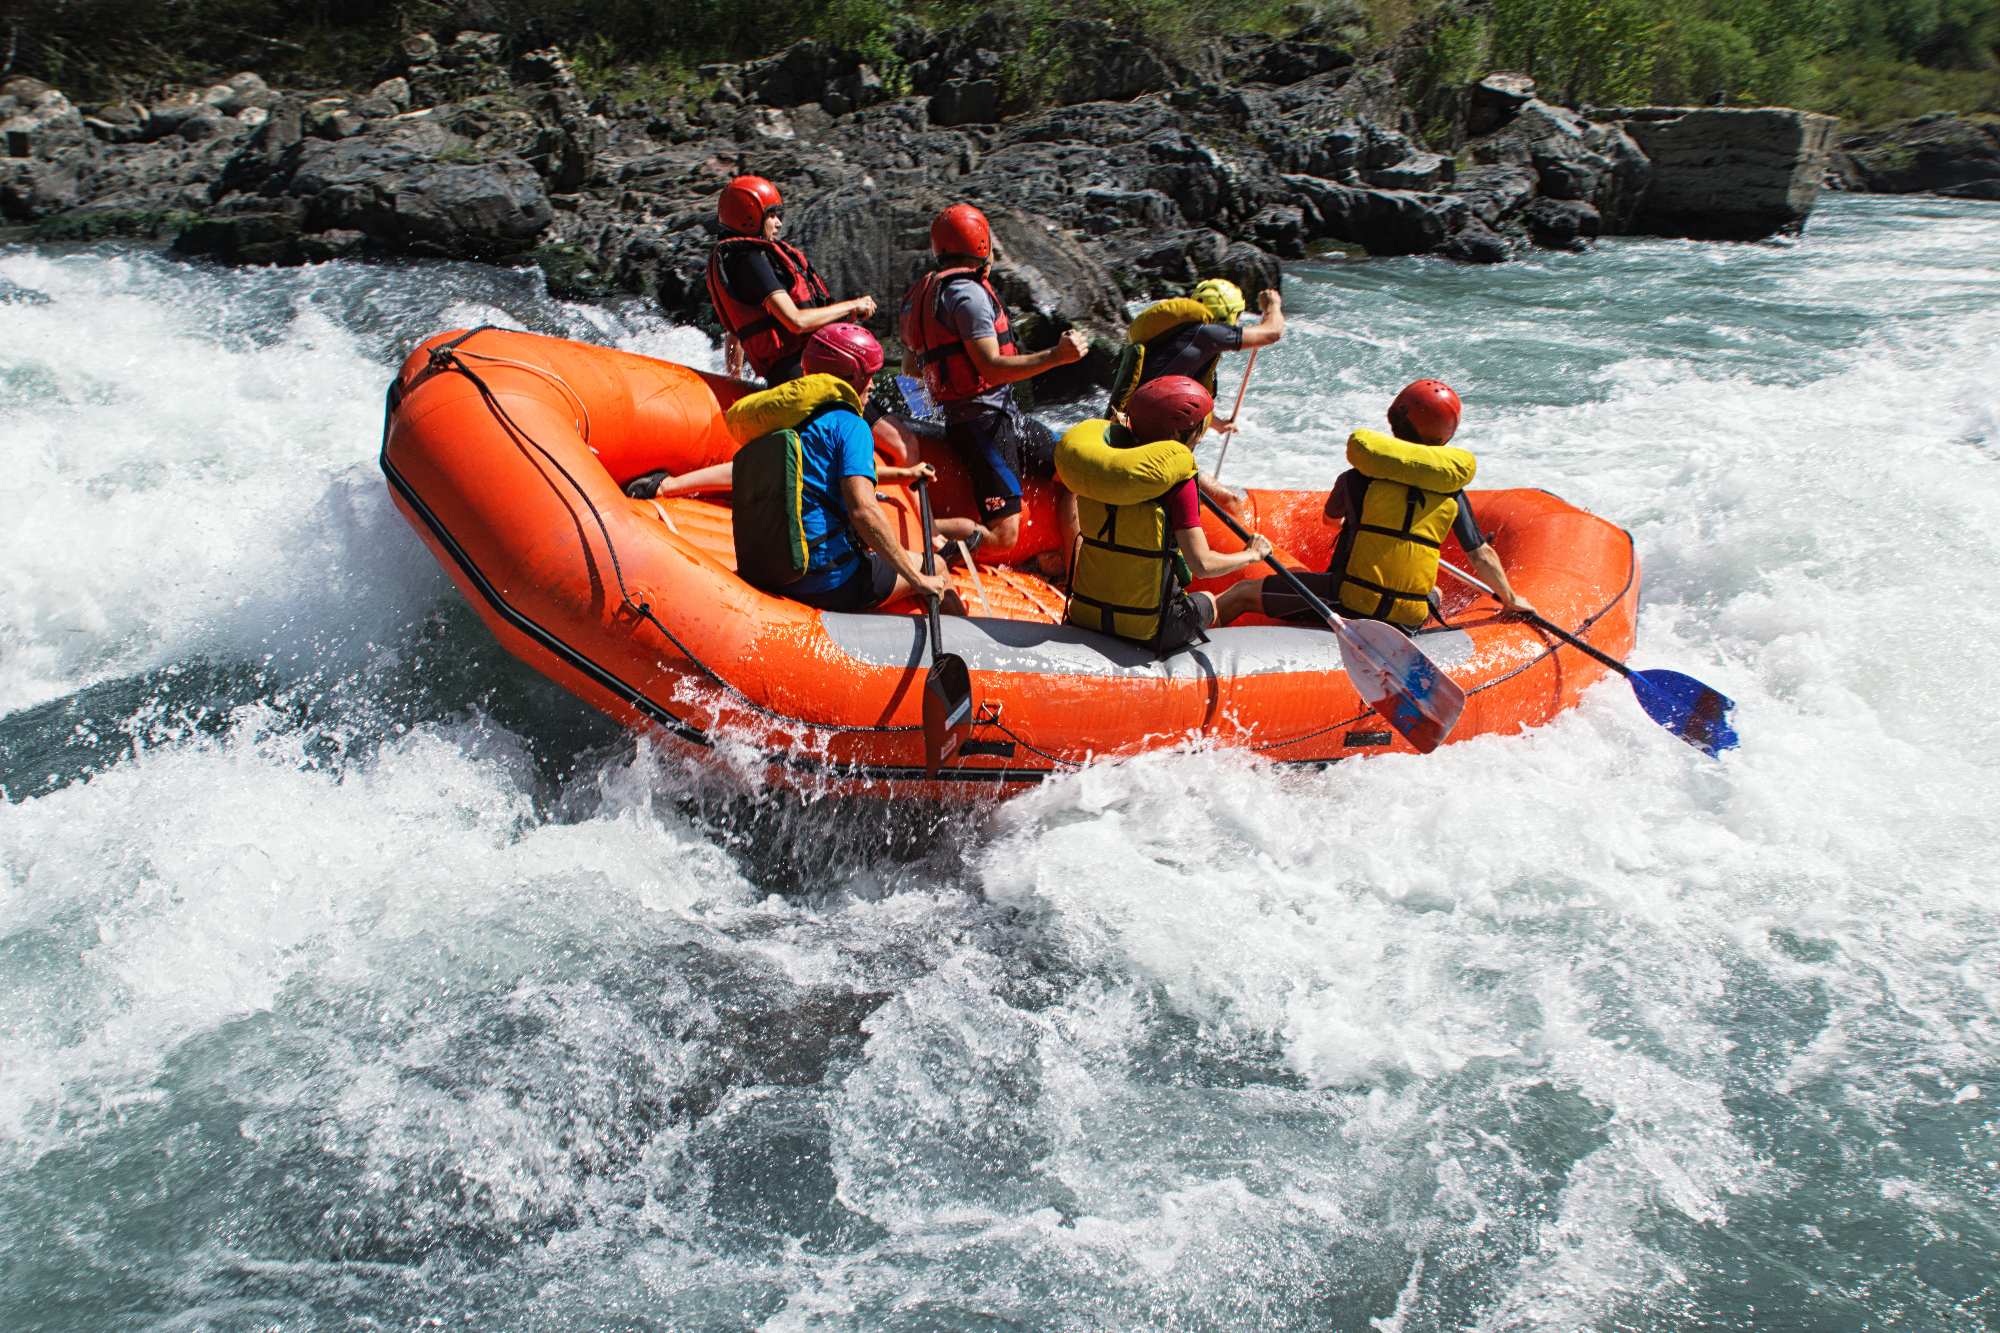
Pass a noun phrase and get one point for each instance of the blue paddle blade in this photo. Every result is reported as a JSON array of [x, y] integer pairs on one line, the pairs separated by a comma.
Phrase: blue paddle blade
[[1686, 707]]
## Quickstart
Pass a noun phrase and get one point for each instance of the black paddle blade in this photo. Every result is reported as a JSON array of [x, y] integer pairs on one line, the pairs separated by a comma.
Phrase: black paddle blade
[[947, 710], [1686, 707]]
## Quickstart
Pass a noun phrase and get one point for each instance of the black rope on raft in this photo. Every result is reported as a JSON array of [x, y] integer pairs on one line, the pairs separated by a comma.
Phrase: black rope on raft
[[443, 358]]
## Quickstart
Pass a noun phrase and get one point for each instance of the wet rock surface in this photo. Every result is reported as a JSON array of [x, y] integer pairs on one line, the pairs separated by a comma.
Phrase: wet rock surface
[[1140, 173], [1730, 174], [1935, 154]]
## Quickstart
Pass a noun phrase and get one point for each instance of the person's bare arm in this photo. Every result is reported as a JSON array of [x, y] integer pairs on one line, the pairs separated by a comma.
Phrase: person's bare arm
[[1271, 327], [1485, 563], [1206, 563], [869, 520], [787, 312], [985, 354], [892, 473]]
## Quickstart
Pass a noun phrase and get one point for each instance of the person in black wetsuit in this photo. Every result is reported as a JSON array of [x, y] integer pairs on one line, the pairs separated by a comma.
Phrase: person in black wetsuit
[[765, 292]]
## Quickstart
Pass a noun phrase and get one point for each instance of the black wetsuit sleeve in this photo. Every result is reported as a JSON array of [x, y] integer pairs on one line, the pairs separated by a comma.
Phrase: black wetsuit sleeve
[[1212, 340], [749, 277], [1466, 527]]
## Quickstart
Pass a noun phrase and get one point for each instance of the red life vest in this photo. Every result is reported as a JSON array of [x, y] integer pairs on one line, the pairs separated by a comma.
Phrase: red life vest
[[764, 340], [942, 358]]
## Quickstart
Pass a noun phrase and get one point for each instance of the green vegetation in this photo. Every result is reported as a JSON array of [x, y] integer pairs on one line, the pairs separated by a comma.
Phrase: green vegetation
[[150, 223], [1867, 60]]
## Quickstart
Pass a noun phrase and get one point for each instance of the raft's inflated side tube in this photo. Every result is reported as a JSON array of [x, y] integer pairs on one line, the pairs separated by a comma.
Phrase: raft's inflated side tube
[[633, 605]]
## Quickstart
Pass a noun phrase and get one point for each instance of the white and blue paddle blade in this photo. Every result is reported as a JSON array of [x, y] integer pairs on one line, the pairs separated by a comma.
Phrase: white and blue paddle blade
[[1399, 682], [1686, 707]]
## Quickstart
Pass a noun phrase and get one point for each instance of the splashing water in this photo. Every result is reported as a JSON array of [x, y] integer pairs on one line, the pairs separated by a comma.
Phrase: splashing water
[[353, 976]]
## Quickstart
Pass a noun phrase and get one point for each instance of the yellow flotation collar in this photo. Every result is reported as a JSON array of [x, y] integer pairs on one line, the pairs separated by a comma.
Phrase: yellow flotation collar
[[1091, 467], [786, 406], [1127, 559], [1437, 468], [1156, 321], [1165, 316]]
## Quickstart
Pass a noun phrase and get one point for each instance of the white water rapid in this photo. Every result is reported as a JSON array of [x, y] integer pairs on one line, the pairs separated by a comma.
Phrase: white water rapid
[[351, 976]]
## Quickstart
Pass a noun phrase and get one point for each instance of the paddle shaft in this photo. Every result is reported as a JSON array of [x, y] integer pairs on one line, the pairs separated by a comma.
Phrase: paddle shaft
[[1325, 612], [1560, 633], [1234, 412], [930, 567]]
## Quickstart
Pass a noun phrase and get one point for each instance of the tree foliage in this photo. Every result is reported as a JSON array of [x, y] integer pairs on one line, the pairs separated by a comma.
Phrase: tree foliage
[[1680, 51]]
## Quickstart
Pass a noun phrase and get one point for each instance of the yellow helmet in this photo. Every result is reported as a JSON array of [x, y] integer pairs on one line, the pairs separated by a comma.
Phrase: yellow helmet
[[1223, 298]]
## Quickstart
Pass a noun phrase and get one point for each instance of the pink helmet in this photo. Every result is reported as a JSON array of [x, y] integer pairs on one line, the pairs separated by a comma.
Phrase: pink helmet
[[846, 350]]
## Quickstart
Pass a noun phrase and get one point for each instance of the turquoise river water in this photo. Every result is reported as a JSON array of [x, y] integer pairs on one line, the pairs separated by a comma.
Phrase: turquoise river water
[[353, 977]]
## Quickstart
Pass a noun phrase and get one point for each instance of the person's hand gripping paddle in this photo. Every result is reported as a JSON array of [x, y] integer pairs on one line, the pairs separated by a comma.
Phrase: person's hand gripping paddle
[[1390, 671], [1681, 704], [948, 687]]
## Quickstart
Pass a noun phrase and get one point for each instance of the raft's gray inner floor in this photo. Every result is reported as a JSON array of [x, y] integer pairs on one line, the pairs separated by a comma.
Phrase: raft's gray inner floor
[[991, 644]]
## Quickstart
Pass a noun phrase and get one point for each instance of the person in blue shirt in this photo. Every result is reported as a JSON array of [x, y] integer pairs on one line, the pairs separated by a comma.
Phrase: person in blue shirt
[[855, 561]]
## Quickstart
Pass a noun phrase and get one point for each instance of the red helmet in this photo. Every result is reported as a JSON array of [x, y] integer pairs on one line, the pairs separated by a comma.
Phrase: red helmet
[[744, 202], [846, 350], [961, 230], [1168, 408], [1426, 413]]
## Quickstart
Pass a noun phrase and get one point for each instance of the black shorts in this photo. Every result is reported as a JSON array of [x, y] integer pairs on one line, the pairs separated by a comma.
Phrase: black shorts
[[869, 587], [1187, 615], [1000, 449], [1281, 603]]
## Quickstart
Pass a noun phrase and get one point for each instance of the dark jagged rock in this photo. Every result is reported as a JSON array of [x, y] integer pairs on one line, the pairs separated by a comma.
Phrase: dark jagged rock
[[1111, 170], [1102, 67], [399, 189], [1494, 101], [1253, 58], [1572, 158], [1495, 194], [1939, 153], [1562, 224], [1477, 243], [1726, 174], [1384, 222]]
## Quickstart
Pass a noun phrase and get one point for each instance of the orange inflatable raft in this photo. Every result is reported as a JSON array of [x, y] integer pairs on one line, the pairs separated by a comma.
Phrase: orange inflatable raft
[[507, 453]]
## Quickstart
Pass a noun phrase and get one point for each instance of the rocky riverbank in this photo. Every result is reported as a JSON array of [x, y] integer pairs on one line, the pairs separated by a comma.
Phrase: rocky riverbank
[[1145, 174]]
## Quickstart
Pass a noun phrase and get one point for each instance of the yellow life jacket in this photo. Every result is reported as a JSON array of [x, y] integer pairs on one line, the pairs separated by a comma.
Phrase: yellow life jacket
[[787, 406], [1157, 321], [1396, 523], [1128, 561]]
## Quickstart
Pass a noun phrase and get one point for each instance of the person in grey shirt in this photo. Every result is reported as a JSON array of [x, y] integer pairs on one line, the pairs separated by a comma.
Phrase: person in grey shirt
[[955, 336]]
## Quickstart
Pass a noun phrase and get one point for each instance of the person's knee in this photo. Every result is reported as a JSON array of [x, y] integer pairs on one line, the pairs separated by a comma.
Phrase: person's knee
[[1242, 598], [1004, 532]]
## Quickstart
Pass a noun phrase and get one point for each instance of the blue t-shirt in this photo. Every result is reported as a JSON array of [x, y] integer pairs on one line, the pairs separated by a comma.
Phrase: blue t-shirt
[[835, 443]]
